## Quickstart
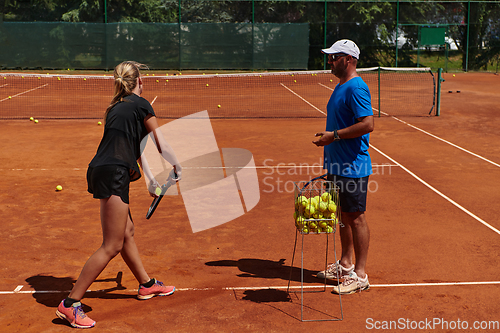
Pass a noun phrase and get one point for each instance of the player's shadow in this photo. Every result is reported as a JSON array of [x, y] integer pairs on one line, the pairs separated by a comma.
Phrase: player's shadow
[[51, 290], [269, 269]]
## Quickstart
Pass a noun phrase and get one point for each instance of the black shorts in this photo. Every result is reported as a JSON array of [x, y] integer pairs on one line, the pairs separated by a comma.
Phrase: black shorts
[[107, 180], [352, 192]]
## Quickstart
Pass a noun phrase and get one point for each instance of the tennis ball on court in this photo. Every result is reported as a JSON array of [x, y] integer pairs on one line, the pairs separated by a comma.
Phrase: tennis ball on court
[[158, 191], [10, 97], [207, 84], [295, 81], [36, 121], [58, 188], [218, 106], [99, 123], [453, 75], [31, 118]]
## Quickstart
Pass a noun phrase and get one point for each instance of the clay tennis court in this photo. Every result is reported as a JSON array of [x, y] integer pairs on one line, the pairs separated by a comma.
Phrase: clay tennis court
[[433, 215]]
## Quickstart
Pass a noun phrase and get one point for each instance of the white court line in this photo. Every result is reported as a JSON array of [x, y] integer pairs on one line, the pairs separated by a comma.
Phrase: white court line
[[389, 285], [3, 85], [443, 140], [24, 92], [432, 135], [284, 166], [438, 192], [154, 100], [293, 92]]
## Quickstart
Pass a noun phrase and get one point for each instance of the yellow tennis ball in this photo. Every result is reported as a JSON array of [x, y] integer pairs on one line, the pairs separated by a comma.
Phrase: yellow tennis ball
[[218, 106], [322, 206], [36, 121], [59, 188], [207, 84], [99, 123], [10, 97], [326, 197], [332, 207], [31, 118], [158, 191], [453, 75]]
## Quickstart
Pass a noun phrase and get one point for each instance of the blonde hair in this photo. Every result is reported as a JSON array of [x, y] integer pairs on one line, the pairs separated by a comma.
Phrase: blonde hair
[[126, 75]]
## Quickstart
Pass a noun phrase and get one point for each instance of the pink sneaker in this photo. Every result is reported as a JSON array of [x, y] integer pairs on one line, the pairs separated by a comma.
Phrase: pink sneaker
[[74, 315], [157, 289]]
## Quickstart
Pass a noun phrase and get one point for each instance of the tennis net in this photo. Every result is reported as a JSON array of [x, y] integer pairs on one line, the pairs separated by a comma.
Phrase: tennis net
[[301, 94]]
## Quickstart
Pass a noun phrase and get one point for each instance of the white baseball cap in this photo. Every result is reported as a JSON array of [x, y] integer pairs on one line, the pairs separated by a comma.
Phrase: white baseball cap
[[343, 46]]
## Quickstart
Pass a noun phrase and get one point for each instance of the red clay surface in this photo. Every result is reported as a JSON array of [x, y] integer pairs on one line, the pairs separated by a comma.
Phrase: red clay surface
[[230, 277]]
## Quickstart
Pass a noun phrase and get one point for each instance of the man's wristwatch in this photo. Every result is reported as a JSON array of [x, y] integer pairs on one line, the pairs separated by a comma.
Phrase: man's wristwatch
[[336, 136]]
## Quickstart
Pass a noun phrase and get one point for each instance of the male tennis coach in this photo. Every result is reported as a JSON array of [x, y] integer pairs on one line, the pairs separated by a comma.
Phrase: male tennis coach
[[346, 141]]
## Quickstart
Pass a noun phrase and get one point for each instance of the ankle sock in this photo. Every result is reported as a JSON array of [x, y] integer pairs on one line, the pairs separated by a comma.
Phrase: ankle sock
[[68, 302], [148, 284]]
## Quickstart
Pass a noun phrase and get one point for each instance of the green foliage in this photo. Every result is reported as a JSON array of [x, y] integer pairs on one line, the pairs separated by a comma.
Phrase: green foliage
[[372, 24]]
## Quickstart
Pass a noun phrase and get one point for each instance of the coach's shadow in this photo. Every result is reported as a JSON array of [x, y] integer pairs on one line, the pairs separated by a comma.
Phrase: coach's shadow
[[269, 269], [51, 290]]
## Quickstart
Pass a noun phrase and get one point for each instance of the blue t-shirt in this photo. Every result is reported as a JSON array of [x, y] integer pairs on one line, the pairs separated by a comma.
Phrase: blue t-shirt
[[348, 157]]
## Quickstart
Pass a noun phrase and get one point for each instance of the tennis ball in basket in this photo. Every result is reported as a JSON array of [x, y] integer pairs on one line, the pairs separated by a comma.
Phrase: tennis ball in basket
[[322, 206], [332, 207], [310, 210], [58, 188], [326, 197], [318, 215], [302, 201]]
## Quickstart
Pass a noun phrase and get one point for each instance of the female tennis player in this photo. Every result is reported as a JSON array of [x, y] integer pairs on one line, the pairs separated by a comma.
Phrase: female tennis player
[[128, 119]]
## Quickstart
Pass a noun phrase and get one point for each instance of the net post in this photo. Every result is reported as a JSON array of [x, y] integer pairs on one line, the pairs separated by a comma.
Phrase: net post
[[438, 97], [379, 91]]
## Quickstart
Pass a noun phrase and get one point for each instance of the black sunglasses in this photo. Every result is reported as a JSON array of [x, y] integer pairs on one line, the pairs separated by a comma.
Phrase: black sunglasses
[[335, 57]]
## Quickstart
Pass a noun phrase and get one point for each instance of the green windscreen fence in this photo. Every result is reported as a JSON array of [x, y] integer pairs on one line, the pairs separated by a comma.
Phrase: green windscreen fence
[[160, 45]]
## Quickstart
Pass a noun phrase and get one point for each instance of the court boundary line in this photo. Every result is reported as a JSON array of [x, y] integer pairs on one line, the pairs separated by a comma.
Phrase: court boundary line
[[441, 139], [293, 92], [24, 92], [285, 166], [430, 134], [18, 290], [477, 218]]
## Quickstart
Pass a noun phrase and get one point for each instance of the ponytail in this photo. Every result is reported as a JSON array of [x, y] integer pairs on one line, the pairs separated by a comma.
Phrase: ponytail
[[126, 75]]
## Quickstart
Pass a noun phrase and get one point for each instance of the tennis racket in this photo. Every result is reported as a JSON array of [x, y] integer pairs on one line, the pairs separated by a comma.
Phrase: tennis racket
[[171, 180]]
